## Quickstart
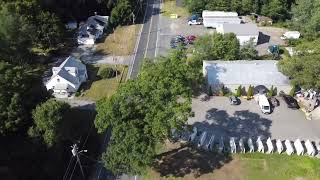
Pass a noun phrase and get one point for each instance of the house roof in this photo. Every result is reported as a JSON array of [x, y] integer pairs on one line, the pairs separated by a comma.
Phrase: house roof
[[92, 25], [246, 72], [70, 63], [240, 29]]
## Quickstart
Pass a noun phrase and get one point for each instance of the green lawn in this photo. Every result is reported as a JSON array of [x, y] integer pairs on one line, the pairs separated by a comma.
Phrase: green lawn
[[255, 166], [121, 42], [98, 88], [169, 7]]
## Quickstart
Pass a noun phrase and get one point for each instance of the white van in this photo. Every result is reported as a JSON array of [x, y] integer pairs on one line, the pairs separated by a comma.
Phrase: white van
[[264, 104]]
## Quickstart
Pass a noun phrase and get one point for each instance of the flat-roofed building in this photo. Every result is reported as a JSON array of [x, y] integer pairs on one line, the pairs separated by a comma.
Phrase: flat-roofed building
[[244, 32]]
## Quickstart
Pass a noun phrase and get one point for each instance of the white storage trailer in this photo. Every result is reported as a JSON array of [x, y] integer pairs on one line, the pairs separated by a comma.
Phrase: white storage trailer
[[215, 19], [291, 35]]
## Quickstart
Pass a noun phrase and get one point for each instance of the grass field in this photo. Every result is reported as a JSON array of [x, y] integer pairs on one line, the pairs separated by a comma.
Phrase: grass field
[[98, 88], [188, 164], [169, 7], [121, 42]]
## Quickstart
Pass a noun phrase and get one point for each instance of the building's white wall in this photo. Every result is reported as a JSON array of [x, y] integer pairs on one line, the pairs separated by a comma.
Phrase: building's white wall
[[244, 39], [217, 22], [52, 82], [233, 87]]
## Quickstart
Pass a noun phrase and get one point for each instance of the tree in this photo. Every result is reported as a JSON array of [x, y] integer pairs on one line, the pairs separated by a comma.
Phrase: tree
[[246, 6], [218, 5], [195, 6], [49, 30], [217, 46], [143, 112], [15, 35], [121, 13], [248, 50], [306, 17], [239, 91], [235, 5], [20, 91], [47, 118], [304, 70], [276, 9], [250, 92]]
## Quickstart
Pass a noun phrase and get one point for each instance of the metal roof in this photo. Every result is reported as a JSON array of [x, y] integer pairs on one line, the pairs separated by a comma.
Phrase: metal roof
[[240, 29], [246, 72]]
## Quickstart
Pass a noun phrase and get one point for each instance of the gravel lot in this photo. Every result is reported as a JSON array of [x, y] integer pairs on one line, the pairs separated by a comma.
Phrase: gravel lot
[[269, 36], [218, 117], [170, 28]]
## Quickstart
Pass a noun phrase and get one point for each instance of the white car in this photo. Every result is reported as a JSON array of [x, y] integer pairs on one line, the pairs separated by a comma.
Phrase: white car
[[194, 22]]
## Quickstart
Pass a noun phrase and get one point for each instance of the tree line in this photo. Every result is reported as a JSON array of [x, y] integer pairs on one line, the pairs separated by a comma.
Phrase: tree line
[[276, 9]]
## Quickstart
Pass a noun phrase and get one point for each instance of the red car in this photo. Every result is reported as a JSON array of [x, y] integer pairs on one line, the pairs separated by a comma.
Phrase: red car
[[190, 39]]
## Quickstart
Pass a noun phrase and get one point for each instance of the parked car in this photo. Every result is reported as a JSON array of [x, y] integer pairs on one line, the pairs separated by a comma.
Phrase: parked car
[[195, 20], [290, 101], [234, 100], [274, 101], [176, 41], [190, 39], [264, 104]]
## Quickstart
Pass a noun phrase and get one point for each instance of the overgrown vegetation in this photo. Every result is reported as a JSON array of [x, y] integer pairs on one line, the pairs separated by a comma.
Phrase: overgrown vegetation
[[304, 67]]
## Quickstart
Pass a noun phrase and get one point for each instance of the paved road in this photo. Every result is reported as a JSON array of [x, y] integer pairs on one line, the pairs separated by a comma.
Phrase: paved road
[[146, 48], [147, 44]]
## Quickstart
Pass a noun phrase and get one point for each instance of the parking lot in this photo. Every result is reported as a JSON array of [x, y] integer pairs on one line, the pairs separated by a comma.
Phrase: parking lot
[[169, 28], [218, 117]]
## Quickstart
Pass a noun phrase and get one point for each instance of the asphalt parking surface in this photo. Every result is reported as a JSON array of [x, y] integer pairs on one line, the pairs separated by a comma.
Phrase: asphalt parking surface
[[218, 117], [169, 28]]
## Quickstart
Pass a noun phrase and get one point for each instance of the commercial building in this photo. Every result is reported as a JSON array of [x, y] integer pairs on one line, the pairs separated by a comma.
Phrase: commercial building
[[231, 74], [244, 32]]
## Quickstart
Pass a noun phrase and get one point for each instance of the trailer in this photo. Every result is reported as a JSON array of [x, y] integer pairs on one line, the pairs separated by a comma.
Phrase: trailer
[[291, 35], [213, 19]]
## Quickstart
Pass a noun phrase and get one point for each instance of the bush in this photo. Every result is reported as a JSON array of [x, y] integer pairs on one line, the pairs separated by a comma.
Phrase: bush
[[77, 94], [292, 91], [250, 92], [106, 73], [238, 91], [210, 93], [272, 91]]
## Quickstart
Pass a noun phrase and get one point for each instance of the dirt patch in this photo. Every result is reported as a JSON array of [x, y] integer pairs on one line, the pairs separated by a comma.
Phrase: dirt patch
[[189, 161]]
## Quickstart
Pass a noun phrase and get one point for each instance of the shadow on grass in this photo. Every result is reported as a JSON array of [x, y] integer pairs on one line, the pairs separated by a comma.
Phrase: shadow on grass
[[189, 160]]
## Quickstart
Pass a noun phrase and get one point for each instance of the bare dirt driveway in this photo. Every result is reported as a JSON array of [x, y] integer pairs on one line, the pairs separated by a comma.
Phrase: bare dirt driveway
[[218, 117], [269, 36]]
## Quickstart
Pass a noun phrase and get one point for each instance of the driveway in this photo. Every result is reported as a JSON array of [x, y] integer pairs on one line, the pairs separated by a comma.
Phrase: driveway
[[269, 36], [218, 117]]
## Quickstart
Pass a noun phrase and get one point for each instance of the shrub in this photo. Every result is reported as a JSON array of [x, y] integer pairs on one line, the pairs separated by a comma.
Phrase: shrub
[[250, 91], [292, 91], [77, 94], [238, 91], [210, 93], [106, 73]]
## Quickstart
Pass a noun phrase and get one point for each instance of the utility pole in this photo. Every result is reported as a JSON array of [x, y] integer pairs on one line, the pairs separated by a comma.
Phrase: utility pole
[[75, 152], [133, 18]]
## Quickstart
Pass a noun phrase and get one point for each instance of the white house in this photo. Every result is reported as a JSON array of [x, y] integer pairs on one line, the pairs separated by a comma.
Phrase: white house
[[231, 74], [244, 32], [92, 30], [67, 78], [215, 19]]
